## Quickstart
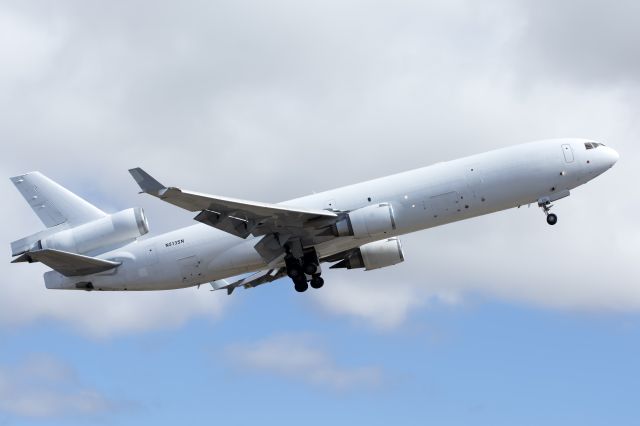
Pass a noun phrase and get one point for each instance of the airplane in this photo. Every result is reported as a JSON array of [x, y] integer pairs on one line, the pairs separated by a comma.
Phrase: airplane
[[239, 243]]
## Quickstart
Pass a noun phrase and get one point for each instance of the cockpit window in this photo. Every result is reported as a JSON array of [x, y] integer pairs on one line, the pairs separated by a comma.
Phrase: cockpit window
[[592, 145]]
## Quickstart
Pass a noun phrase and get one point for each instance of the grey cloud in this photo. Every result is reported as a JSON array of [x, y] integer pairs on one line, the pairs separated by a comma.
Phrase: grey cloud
[[592, 43]]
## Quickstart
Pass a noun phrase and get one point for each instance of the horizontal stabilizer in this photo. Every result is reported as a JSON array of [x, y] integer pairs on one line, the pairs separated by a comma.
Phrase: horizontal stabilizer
[[68, 264]]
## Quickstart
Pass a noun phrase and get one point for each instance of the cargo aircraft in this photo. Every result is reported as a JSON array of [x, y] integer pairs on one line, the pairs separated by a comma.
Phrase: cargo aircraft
[[239, 243]]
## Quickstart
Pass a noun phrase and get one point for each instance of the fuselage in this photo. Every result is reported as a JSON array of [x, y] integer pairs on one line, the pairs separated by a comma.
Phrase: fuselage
[[422, 198]]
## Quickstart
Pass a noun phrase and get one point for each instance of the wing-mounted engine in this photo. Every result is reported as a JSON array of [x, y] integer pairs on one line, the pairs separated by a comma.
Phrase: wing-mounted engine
[[378, 254], [369, 221], [118, 228]]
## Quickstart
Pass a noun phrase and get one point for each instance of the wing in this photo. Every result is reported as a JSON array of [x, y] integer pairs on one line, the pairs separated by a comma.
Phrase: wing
[[242, 218], [68, 264]]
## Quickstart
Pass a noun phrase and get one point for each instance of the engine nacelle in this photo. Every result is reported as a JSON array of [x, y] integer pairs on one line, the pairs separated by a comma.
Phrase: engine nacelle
[[118, 228], [378, 254], [369, 221]]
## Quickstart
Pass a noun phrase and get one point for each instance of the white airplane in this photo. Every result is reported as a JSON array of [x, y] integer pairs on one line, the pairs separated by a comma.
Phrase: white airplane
[[355, 226]]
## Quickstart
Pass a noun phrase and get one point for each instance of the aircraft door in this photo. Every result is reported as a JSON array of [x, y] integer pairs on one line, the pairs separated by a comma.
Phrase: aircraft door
[[446, 204], [190, 270], [475, 180], [568, 153]]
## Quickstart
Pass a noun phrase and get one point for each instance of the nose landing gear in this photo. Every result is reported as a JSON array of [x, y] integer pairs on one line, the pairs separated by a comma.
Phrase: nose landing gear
[[545, 203], [552, 218]]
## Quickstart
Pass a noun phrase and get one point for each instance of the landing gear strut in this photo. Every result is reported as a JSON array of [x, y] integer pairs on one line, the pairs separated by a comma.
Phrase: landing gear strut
[[552, 218]]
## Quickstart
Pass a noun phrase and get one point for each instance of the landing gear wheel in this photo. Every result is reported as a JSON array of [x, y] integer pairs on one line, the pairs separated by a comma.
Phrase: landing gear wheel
[[310, 268], [552, 219], [294, 270], [317, 281], [301, 285], [295, 273], [310, 263]]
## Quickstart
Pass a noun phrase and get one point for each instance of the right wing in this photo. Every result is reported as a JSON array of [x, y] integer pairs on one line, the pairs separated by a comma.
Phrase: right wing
[[242, 218]]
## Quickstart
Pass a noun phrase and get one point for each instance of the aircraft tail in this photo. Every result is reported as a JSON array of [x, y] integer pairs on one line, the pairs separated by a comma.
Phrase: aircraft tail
[[77, 231], [53, 203]]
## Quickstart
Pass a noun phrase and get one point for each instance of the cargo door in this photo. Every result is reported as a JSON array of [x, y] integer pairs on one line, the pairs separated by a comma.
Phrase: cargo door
[[190, 269]]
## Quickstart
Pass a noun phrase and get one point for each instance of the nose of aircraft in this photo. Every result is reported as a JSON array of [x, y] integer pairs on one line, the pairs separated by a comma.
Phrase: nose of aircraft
[[612, 156]]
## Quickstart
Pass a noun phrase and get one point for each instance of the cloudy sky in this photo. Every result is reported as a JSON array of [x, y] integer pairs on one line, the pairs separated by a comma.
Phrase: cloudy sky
[[496, 320]]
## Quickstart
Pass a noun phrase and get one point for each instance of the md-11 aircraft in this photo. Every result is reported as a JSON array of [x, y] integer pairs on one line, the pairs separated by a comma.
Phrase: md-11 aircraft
[[239, 243]]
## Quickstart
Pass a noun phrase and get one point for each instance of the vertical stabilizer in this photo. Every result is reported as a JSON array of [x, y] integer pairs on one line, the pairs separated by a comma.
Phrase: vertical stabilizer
[[53, 203]]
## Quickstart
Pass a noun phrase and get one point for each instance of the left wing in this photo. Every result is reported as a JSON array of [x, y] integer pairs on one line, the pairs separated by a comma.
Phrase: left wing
[[243, 218]]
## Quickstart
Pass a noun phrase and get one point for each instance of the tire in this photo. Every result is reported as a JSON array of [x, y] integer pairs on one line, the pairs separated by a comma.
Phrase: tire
[[301, 286], [552, 219], [317, 282], [310, 268], [295, 272]]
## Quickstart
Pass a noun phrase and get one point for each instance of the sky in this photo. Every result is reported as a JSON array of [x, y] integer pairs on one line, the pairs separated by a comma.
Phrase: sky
[[496, 320]]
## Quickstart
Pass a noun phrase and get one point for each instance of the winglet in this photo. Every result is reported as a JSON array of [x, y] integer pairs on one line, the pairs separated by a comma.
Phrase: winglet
[[146, 182]]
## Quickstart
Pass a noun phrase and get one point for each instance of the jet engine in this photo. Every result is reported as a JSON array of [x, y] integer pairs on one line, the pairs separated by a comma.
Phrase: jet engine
[[378, 254], [367, 222], [118, 228]]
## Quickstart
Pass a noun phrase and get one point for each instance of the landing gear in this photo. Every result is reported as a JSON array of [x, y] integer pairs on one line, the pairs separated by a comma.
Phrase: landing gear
[[294, 268], [310, 268], [317, 281], [301, 285], [310, 262], [552, 218], [303, 270]]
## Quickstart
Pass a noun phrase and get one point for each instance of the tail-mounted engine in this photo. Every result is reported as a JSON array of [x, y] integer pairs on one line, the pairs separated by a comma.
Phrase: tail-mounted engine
[[369, 221], [118, 228], [377, 254]]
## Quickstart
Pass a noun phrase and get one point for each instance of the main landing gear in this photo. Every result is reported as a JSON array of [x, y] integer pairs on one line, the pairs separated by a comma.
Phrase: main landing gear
[[304, 271], [552, 218]]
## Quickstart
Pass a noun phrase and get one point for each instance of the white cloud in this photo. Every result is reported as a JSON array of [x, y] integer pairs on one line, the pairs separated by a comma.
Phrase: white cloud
[[43, 387], [381, 299], [227, 99], [101, 314], [302, 358]]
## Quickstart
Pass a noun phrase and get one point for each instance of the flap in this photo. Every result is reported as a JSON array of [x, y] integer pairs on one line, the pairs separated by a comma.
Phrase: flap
[[251, 280]]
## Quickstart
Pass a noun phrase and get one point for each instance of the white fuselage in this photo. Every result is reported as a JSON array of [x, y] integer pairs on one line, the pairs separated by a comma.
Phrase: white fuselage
[[422, 198]]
